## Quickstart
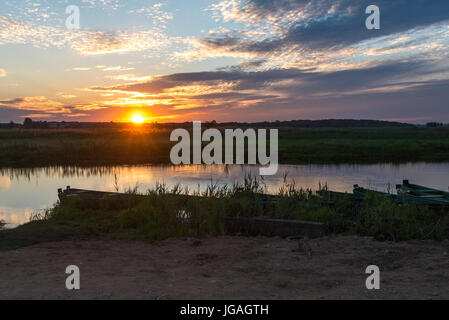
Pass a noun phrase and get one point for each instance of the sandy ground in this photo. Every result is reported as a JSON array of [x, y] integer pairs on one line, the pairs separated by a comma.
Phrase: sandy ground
[[228, 268]]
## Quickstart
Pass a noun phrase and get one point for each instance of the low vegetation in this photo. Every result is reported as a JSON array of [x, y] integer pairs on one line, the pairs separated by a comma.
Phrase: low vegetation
[[176, 212], [139, 145]]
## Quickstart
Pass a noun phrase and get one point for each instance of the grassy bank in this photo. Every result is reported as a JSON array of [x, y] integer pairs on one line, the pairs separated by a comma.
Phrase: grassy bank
[[138, 145], [163, 213]]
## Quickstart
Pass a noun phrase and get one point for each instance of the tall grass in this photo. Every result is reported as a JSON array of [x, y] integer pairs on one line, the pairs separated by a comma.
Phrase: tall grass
[[385, 220], [164, 212]]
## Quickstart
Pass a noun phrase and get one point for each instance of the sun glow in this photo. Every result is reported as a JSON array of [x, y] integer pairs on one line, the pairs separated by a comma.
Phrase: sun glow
[[137, 118]]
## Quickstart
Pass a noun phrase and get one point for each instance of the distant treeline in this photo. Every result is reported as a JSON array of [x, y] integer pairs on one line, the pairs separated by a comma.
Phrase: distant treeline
[[330, 123]]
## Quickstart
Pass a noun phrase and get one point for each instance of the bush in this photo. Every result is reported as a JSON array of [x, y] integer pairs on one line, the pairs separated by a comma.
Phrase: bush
[[385, 220]]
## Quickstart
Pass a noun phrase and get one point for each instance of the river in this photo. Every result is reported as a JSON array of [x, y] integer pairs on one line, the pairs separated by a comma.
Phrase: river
[[24, 192]]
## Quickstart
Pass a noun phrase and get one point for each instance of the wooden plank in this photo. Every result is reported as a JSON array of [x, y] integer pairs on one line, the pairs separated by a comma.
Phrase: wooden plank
[[69, 192]]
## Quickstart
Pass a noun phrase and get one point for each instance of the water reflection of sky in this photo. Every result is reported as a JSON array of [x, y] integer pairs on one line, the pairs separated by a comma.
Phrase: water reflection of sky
[[26, 191]]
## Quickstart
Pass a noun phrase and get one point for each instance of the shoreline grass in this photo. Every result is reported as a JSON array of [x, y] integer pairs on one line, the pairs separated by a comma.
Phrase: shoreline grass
[[81, 147], [176, 212]]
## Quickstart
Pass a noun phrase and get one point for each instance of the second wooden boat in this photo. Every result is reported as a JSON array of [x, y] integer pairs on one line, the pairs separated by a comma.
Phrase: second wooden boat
[[416, 194]]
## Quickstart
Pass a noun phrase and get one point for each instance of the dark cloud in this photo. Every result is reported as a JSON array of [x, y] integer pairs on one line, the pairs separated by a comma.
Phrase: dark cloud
[[239, 44], [396, 16], [241, 79], [304, 81], [368, 78], [386, 91], [12, 101], [8, 114], [329, 24], [233, 95], [293, 94], [246, 65], [252, 64]]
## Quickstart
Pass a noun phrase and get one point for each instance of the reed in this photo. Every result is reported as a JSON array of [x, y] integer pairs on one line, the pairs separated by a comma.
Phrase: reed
[[170, 212], [164, 212]]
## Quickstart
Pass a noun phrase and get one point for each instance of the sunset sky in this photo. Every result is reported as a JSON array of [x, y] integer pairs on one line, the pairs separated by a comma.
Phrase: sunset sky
[[224, 60]]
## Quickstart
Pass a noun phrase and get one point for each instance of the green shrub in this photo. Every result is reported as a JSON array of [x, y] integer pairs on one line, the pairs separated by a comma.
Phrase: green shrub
[[386, 220]]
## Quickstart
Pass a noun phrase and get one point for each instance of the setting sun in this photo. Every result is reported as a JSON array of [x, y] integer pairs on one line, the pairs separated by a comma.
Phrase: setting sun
[[137, 118]]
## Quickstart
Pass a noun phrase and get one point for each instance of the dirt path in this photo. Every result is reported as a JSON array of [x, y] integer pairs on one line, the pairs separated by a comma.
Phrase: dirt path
[[227, 268]]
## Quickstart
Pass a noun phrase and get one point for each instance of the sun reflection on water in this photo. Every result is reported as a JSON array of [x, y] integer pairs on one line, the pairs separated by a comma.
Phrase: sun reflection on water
[[26, 191]]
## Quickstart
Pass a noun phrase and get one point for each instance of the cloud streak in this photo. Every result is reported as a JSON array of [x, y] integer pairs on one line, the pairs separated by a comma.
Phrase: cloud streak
[[324, 23], [85, 42], [323, 33]]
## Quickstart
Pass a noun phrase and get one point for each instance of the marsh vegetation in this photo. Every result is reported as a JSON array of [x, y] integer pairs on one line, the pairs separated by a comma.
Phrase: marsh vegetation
[[142, 145], [164, 212]]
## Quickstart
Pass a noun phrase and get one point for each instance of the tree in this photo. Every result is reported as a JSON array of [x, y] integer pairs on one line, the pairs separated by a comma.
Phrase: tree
[[434, 124], [28, 123]]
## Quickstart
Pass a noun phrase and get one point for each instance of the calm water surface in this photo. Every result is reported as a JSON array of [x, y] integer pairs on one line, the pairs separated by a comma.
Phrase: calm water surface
[[26, 191]]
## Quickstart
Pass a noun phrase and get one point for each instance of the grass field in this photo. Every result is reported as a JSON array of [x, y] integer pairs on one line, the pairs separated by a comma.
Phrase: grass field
[[174, 213], [29, 148]]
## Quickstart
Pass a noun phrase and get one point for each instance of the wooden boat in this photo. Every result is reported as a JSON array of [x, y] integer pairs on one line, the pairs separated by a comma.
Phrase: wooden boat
[[407, 186], [264, 199], [416, 198], [416, 194], [407, 193], [69, 192], [361, 193], [333, 195]]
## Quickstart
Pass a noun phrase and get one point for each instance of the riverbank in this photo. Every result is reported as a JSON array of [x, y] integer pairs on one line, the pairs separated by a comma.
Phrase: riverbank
[[171, 245], [227, 268], [164, 213], [144, 145]]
